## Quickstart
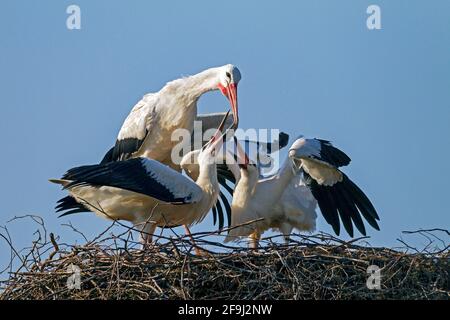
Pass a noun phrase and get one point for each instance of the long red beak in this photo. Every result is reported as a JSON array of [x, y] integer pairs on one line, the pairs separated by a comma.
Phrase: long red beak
[[217, 139], [231, 93], [242, 157]]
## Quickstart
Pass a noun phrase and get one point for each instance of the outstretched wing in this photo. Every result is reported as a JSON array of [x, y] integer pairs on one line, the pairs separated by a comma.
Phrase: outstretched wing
[[320, 159], [339, 198], [144, 176], [346, 202], [321, 150]]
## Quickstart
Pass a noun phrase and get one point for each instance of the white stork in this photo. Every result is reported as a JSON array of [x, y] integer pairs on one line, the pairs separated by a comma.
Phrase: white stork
[[147, 131], [288, 199], [146, 192]]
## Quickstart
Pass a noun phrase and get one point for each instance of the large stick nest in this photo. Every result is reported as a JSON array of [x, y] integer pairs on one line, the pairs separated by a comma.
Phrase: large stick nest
[[311, 267]]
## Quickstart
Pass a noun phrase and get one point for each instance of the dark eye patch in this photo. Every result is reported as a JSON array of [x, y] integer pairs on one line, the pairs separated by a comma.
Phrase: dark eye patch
[[228, 75]]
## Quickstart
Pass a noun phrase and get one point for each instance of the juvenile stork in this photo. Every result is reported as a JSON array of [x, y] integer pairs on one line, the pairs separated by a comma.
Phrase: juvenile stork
[[228, 169], [288, 199], [146, 192]]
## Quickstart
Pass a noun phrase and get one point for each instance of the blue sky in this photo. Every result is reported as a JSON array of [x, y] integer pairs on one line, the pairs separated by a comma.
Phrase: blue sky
[[308, 67]]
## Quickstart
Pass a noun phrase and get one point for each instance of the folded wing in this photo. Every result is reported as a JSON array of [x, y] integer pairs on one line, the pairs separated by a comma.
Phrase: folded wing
[[144, 176]]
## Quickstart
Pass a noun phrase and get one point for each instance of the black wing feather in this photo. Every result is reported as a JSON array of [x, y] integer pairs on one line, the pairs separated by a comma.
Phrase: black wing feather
[[332, 155], [125, 148], [343, 210], [223, 183], [130, 175], [227, 207], [361, 197], [325, 202], [370, 216], [283, 140], [70, 206], [220, 214], [352, 209], [214, 210], [348, 201], [223, 171], [108, 156], [223, 174]]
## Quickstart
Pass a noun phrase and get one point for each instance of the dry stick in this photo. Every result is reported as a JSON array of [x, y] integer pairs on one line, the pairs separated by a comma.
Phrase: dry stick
[[13, 251], [69, 224], [427, 230]]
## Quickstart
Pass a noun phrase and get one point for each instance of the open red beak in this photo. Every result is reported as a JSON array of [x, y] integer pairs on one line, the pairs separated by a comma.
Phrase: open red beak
[[217, 139], [231, 93]]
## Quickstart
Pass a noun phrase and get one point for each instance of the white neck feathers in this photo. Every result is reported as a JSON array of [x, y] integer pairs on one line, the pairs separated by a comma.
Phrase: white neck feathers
[[192, 87]]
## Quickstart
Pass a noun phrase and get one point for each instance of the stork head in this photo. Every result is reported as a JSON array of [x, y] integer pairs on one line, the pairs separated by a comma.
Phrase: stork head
[[298, 150], [229, 77]]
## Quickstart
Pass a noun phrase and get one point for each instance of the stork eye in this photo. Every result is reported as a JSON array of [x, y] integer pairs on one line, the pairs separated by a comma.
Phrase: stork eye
[[228, 75]]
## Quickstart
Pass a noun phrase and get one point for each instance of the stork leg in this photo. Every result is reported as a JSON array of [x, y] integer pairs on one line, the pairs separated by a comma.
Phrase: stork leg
[[146, 230], [253, 240], [198, 251], [286, 230]]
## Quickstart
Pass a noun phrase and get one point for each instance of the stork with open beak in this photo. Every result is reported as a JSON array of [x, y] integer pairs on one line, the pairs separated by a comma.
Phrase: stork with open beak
[[288, 199], [146, 192]]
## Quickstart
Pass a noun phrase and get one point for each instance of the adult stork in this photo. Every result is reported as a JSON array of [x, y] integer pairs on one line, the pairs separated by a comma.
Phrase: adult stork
[[146, 192], [147, 131], [287, 200]]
